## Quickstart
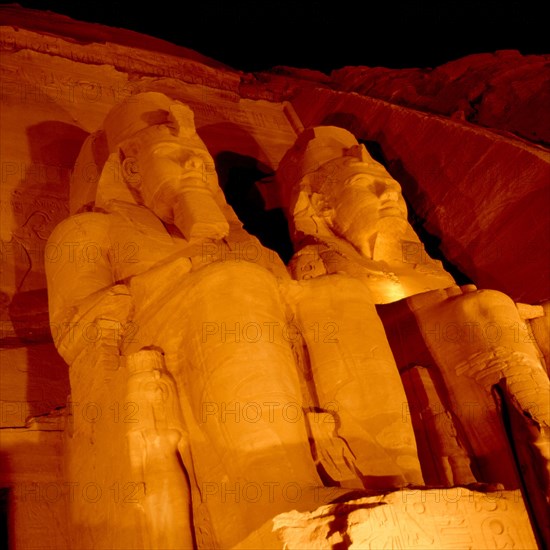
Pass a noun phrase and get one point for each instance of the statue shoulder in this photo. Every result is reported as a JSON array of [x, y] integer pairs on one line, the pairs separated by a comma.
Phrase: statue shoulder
[[82, 227]]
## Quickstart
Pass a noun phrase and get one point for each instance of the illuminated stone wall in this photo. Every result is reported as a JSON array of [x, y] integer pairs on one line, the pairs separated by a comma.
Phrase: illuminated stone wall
[[481, 193]]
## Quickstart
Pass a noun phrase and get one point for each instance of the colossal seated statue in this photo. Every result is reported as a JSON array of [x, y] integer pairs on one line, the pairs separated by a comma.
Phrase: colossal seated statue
[[146, 271], [475, 381]]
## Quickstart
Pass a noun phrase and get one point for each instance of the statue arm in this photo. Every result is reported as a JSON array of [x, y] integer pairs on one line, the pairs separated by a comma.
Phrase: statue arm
[[81, 285]]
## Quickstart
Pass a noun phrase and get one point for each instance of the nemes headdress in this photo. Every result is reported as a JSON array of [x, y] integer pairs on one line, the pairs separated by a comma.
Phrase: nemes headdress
[[313, 148], [145, 110], [137, 113]]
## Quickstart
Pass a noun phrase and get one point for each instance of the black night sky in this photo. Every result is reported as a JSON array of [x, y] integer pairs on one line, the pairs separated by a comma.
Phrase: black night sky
[[253, 36]]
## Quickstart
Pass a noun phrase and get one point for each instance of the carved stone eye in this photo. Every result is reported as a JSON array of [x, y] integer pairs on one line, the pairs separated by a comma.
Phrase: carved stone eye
[[164, 151]]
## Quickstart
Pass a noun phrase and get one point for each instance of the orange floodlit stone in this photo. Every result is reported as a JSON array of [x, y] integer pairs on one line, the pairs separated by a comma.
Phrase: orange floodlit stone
[[222, 326]]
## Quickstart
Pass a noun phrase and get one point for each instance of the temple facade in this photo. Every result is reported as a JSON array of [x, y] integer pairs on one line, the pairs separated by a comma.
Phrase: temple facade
[[275, 310]]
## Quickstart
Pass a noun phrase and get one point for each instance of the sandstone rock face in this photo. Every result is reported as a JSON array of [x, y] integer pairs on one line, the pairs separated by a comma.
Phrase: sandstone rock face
[[504, 91], [219, 327]]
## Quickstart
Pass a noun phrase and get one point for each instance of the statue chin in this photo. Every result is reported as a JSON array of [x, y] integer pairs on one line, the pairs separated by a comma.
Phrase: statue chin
[[364, 235], [392, 225]]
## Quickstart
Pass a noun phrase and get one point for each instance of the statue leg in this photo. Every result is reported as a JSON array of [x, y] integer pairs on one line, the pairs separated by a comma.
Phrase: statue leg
[[445, 461], [240, 376], [356, 378]]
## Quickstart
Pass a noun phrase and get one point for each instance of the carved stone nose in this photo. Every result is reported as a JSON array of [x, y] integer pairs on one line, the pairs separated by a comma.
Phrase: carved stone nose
[[385, 190]]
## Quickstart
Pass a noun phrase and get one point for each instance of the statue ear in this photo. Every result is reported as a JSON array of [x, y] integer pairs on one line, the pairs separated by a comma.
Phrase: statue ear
[[310, 214], [130, 172], [320, 206]]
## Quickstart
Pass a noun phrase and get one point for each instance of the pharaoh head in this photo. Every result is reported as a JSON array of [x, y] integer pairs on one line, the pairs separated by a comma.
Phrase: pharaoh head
[[148, 152], [333, 185]]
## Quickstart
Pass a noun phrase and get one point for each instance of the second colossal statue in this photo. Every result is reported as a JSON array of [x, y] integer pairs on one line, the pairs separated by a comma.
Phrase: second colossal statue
[[466, 353]]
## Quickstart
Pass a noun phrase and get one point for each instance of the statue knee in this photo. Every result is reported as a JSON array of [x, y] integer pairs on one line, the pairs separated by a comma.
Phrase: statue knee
[[482, 304]]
